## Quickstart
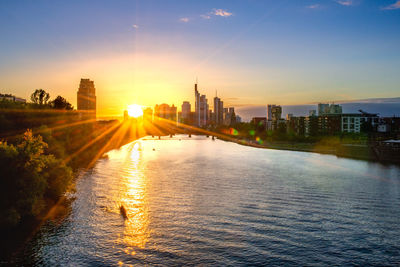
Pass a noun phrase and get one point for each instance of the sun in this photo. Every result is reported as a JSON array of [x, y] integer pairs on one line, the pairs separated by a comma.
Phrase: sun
[[135, 111]]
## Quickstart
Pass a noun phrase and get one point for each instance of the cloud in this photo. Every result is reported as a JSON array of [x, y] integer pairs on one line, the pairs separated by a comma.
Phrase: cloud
[[184, 20], [216, 12], [135, 26], [221, 12], [393, 6], [313, 6], [345, 2]]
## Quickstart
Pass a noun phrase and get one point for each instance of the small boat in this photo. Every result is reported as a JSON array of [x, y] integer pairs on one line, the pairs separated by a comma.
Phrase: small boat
[[123, 212]]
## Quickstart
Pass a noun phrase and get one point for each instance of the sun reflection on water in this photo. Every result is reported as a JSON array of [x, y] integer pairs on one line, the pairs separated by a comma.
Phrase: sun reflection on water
[[133, 197]]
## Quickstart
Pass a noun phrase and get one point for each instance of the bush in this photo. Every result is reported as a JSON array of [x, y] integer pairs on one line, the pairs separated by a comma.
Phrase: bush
[[28, 178]]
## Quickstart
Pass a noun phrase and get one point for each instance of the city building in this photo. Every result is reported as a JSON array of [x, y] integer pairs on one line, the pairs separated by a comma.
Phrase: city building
[[329, 124], [165, 111], [201, 108], [13, 98], [311, 126], [296, 125], [274, 113], [324, 109], [86, 96], [186, 109], [259, 122], [218, 115], [269, 112], [289, 116], [312, 112], [229, 116], [357, 122]]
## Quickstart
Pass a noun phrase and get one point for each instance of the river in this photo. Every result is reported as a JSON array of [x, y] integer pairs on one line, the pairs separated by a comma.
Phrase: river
[[199, 201]]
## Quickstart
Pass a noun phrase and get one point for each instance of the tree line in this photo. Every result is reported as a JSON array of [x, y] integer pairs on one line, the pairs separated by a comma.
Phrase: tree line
[[39, 99]]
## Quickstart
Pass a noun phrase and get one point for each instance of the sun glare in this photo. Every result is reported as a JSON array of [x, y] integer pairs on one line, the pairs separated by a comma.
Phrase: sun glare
[[135, 111]]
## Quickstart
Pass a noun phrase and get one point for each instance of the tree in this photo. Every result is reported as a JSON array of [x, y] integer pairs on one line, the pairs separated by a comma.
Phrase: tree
[[40, 97], [61, 103], [28, 178]]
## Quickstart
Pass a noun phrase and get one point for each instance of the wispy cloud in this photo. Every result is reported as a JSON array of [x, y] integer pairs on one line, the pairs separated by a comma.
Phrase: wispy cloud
[[393, 6], [345, 2], [314, 6], [184, 20], [216, 12], [222, 13], [135, 26]]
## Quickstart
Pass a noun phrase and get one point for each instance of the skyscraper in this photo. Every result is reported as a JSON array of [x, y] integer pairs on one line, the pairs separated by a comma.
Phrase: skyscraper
[[218, 111], [201, 108], [197, 105], [186, 108], [87, 96]]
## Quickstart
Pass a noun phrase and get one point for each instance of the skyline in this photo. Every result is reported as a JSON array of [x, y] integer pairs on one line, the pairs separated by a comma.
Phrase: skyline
[[252, 52]]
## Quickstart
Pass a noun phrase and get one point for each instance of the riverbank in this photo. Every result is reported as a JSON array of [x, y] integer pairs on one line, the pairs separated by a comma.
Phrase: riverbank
[[353, 151]]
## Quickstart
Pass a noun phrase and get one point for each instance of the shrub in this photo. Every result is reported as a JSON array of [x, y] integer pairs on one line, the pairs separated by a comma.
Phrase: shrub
[[28, 176]]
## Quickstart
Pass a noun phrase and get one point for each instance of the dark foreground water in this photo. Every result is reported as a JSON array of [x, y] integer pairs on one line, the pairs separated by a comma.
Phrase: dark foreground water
[[198, 201]]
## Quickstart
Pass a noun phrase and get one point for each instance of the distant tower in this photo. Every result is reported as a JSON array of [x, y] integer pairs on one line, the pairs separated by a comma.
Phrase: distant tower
[[197, 104], [87, 96], [218, 111]]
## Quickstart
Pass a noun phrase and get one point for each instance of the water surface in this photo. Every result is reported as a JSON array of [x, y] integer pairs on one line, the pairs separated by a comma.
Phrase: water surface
[[198, 201]]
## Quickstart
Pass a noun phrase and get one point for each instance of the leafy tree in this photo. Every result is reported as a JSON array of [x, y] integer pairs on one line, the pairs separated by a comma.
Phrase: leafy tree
[[40, 97], [61, 103], [28, 178]]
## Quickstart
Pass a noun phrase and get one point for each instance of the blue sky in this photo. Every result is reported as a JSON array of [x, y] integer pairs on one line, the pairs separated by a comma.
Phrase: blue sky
[[252, 52]]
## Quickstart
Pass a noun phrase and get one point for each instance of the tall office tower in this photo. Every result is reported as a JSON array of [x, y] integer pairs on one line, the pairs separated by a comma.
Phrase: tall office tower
[[186, 108], [269, 112], [218, 111], [203, 110], [87, 96], [197, 105]]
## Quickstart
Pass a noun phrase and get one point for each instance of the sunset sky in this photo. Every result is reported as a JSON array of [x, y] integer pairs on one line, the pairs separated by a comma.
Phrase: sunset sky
[[252, 52]]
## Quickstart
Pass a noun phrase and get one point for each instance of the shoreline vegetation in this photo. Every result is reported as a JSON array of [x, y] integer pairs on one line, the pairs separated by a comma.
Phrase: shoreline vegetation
[[339, 151]]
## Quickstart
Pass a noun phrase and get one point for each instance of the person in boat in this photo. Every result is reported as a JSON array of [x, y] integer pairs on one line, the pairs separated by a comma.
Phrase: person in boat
[[123, 212]]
